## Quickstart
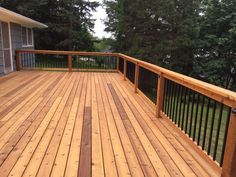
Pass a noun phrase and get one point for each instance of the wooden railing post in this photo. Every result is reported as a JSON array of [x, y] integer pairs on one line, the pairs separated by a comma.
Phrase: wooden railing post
[[229, 162], [160, 94], [117, 63], [125, 68], [70, 62], [136, 79], [18, 61]]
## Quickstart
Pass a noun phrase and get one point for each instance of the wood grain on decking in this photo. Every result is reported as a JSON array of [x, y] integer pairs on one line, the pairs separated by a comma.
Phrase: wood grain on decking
[[86, 124]]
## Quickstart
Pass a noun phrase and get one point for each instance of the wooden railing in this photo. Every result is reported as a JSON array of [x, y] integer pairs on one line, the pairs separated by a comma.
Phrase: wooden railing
[[204, 112], [65, 60]]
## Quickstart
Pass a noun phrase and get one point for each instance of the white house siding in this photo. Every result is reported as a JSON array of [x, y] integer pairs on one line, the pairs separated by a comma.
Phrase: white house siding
[[1, 52]]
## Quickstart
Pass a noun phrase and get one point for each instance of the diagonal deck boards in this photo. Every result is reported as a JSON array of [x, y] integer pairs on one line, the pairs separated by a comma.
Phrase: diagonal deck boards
[[86, 124]]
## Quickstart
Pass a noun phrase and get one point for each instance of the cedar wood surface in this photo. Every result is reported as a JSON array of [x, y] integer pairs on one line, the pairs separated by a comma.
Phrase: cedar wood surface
[[87, 124]]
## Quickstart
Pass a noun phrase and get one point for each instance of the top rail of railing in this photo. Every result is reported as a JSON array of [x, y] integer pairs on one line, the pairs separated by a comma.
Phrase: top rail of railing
[[59, 52]]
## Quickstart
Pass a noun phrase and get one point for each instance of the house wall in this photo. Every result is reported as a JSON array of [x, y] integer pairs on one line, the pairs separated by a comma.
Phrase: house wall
[[16, 40], [1, 52]]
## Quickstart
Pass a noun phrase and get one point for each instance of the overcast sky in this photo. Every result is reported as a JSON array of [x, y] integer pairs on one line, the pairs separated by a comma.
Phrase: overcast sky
[[100, 15]]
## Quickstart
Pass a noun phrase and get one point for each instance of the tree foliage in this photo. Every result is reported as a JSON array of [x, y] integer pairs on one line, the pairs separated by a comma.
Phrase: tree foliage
[[216, 51], [195, 37], [69, 22]]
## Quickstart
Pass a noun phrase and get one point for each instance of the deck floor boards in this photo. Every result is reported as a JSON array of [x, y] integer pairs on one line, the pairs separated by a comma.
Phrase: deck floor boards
[[87, 125]]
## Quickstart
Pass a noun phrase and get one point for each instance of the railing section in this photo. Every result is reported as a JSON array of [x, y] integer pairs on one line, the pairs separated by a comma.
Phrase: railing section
[[65, 60], [204, 112]]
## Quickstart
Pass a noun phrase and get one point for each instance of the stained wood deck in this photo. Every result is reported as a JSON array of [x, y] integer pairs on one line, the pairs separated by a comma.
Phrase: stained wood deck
[[87, 124]]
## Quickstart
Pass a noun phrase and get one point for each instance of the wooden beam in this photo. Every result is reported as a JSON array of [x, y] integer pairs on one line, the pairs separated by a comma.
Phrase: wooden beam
[[125, 69], [70, 63], [229, 163], [136, 79], [160, 94], [18, 68]]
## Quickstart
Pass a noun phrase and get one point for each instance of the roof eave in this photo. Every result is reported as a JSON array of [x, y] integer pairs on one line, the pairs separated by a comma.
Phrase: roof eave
[[10, 16]]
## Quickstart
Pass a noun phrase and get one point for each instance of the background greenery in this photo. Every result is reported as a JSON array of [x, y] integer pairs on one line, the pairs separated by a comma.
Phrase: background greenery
[[195, 37]]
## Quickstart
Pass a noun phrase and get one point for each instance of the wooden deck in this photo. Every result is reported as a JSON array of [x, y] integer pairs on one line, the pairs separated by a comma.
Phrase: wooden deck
[[87, 124]]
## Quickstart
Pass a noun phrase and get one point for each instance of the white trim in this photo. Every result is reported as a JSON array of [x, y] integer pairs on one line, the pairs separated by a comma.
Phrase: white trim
[[32, 37], [10, 16], [27, 42], [10, 47], [3, 61], [27, 45], [9, 28], [27, 36]]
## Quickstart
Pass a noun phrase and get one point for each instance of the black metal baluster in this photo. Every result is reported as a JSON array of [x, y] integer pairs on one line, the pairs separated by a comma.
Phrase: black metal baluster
[[44, 59], [172, 100], [25, 61], [35, 61], [171, 97], [183, 113], [164, 98], [26, 56], [168, 95], [174, 104], [225, 135], [28, 60], [218, 131], [212, 127], [177, 103], [206, 123], [187, 113], [180, 106], [196, 117], [200, 122], [192, 114], [31, 60], [38, 61]]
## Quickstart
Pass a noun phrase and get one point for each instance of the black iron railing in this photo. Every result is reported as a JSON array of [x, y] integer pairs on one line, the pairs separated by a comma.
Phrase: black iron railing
[[58, 60], [201, 110]]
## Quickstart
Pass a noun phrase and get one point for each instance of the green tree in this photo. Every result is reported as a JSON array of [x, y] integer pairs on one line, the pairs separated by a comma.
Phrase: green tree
[[216, 60], [103, 45], [69, 22], [162, 32]]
